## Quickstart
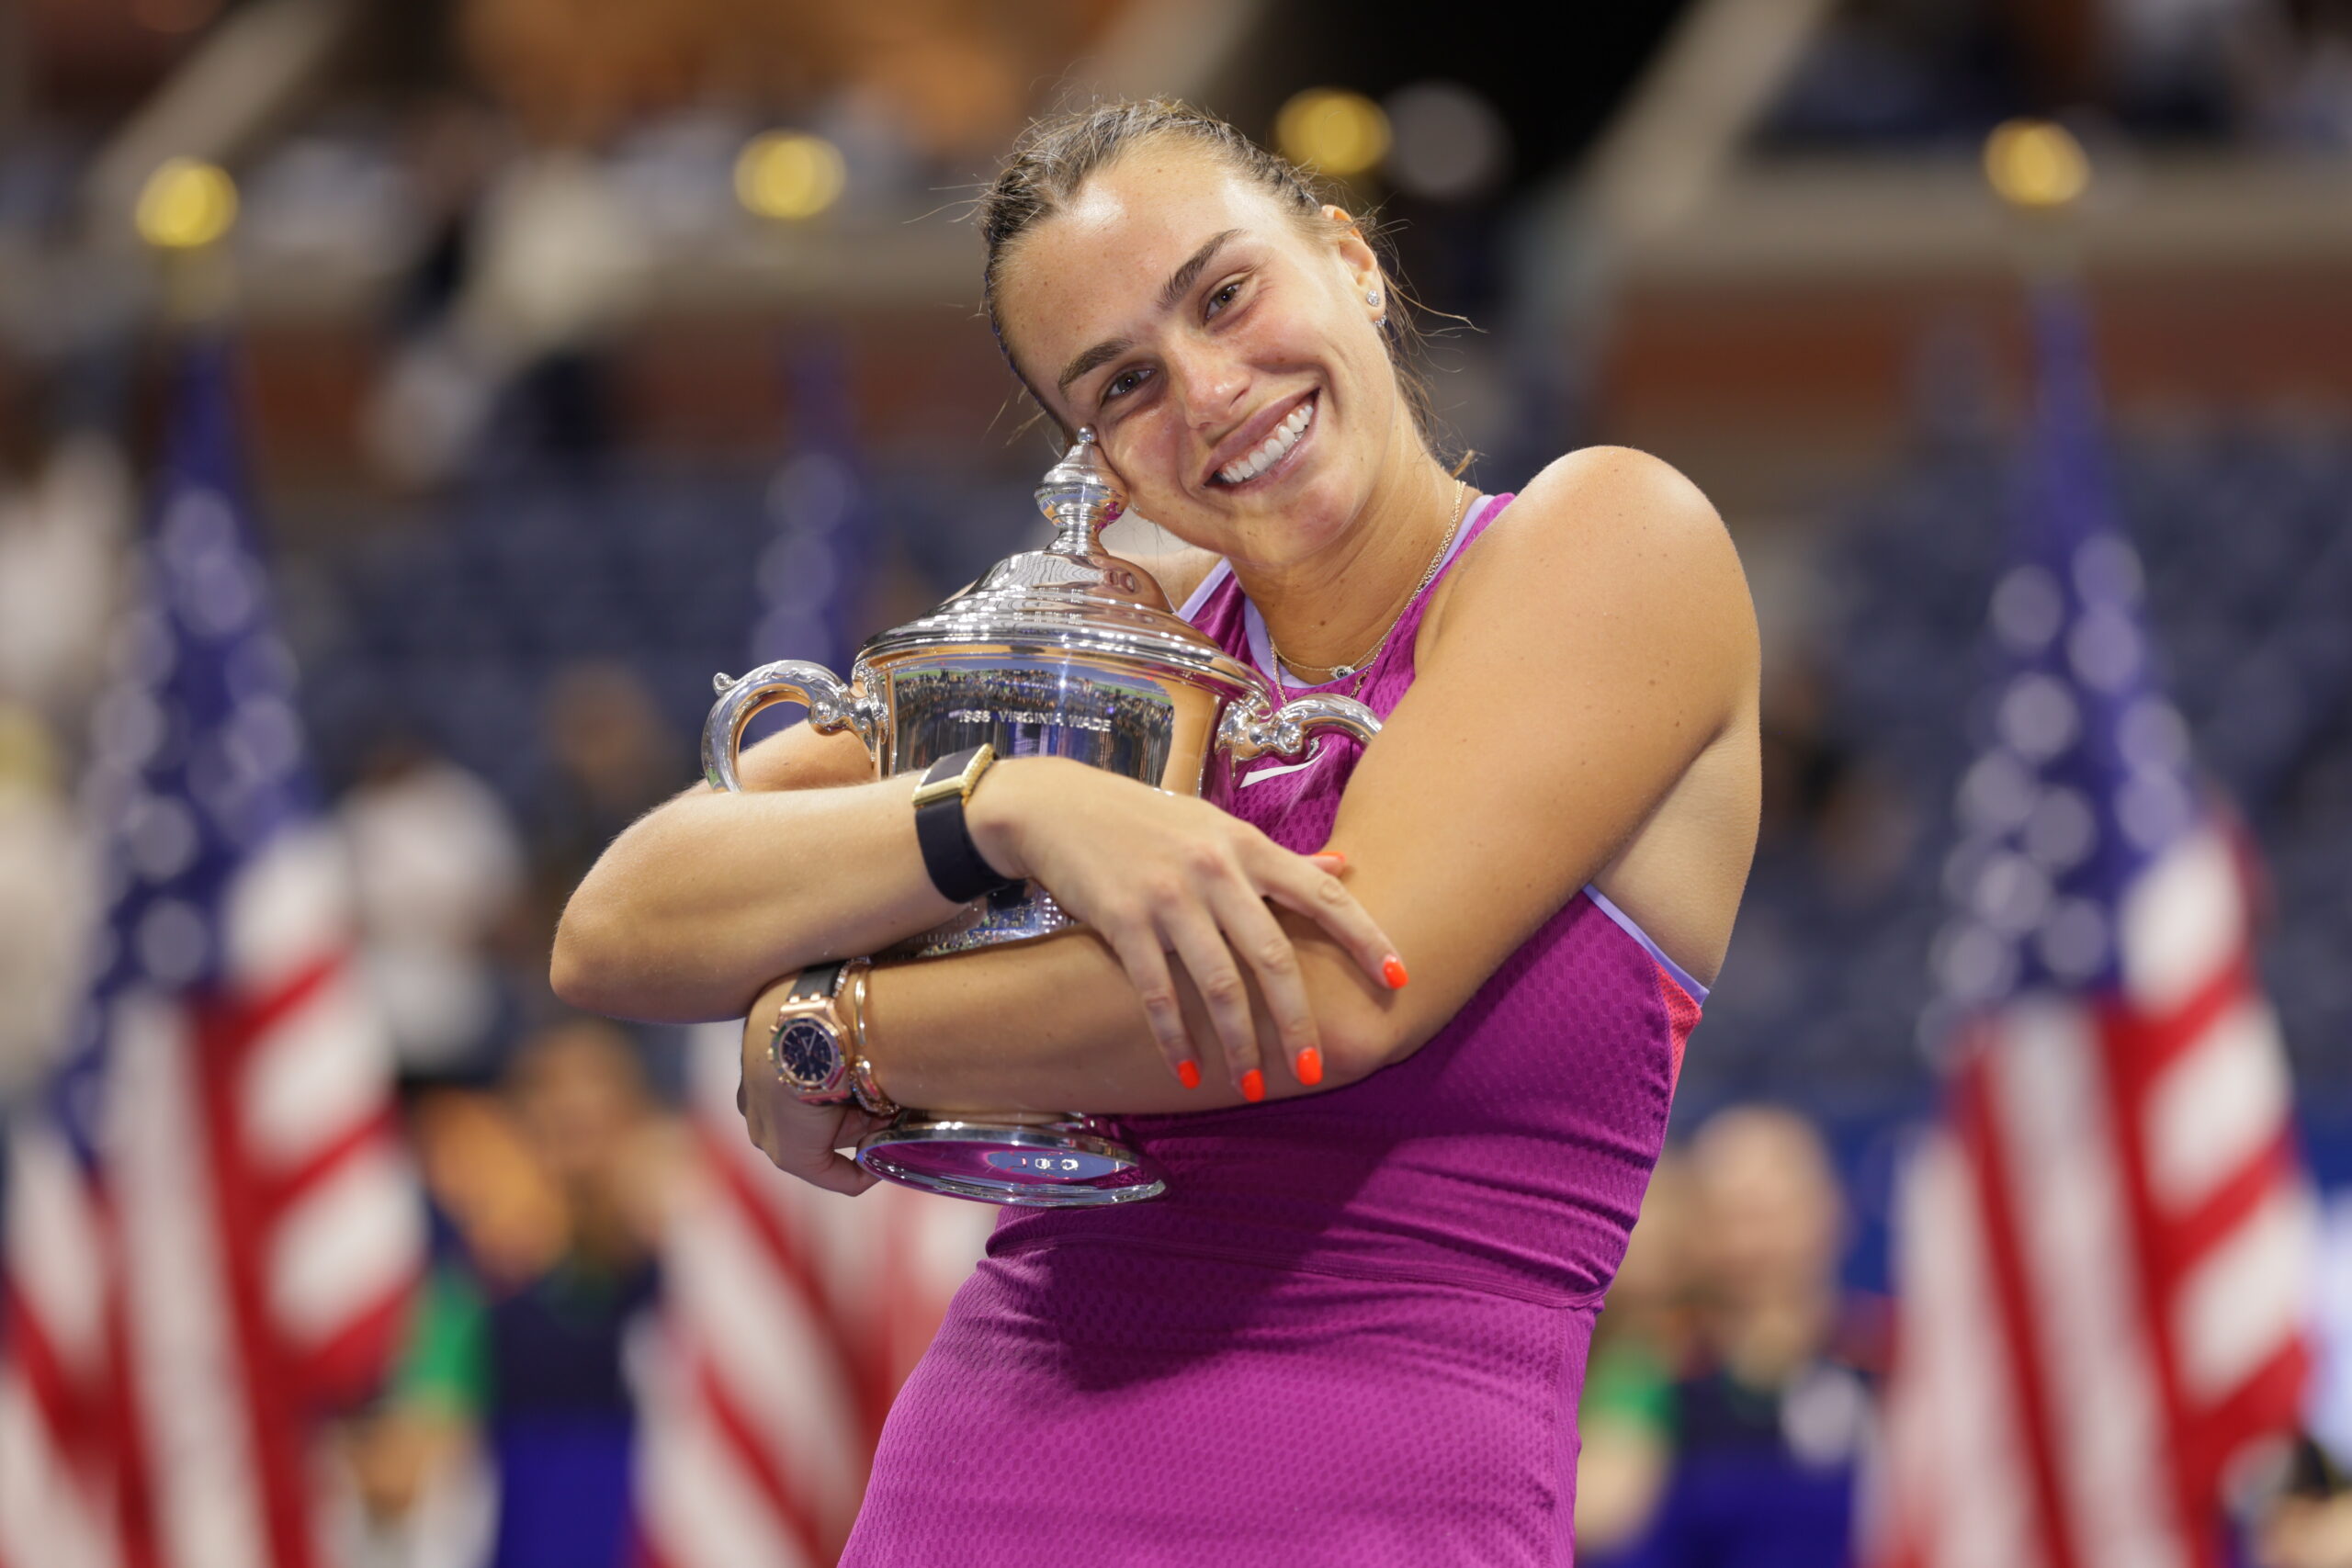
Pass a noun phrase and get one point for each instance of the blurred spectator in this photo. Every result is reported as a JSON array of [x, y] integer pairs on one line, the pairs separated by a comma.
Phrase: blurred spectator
[[1769, 1421], [2309, 1524], [562, 1420], [520, 289], [59, 544], [422, 1496], [438, 865], [521, 1348], [1626, 1417], [44, 894], [2304, 1519], [614, 759]]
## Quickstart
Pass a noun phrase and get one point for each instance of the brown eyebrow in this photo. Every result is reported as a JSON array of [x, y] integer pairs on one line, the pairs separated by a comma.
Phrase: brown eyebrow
[[1179, 283]]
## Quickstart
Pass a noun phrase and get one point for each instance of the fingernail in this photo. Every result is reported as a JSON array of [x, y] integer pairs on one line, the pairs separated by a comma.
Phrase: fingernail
[[1253, 1086], [1392, 969], [1189, 1073], [1331, 860], [1310, 1066]]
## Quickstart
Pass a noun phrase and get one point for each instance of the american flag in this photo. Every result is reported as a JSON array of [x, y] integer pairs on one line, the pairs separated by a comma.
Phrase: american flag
[[790, 1314], [212, 1230], [2101, 1248]]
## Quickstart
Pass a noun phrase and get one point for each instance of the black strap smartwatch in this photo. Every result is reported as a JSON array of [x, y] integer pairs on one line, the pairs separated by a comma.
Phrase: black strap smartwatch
[[956, 866]]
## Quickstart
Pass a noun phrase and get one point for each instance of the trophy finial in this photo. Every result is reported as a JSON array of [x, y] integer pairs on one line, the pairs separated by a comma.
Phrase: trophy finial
[[1079, 498]]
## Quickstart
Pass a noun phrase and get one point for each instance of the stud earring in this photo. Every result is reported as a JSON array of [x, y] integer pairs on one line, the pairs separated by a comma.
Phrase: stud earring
[[1372, 297]]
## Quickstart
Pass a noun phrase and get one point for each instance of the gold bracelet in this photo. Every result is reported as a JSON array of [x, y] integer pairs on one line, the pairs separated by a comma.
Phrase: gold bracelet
[[870, 1094]]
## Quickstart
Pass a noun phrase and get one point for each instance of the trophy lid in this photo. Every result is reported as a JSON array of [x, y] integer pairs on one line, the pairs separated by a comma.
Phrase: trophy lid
[[1073, 593], [1081, 500]]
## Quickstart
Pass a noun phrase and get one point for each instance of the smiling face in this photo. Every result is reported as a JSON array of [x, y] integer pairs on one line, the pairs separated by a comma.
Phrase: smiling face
[[1221, 347]]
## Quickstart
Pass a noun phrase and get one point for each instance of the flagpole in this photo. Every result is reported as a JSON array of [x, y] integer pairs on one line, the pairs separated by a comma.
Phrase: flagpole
[[2042, 176]]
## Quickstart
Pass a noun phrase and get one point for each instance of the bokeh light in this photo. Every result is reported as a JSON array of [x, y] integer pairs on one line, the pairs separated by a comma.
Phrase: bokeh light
[[186, 204], [1449, 143], [2034, 163], [1332, 130], [789, 175]]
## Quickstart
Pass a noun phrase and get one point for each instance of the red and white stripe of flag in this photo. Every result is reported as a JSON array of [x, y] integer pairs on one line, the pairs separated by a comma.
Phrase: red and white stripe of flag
[[241, 1262], [790, 1315], [2101, 1261]]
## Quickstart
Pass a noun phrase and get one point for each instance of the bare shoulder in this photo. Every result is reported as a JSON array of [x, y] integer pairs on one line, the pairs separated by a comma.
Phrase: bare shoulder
[[1609, 555], [1179, 568], [1600, 524], [1611, 498]]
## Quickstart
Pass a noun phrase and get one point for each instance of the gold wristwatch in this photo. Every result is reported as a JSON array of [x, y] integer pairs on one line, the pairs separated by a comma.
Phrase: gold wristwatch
[[810, 1046]]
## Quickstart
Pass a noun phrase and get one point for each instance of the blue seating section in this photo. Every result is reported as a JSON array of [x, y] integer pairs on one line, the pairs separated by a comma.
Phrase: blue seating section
[[449, 618], [2245, 536]]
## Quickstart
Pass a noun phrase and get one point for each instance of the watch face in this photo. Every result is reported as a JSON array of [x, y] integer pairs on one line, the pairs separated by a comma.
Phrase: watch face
[[807, 1054]]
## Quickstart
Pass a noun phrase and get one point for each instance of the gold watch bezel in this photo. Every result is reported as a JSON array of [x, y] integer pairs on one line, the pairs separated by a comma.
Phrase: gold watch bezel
[[963, 784]]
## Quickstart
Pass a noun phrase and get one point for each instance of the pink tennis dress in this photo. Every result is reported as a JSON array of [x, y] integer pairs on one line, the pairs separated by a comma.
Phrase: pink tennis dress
[[1353, 1330]]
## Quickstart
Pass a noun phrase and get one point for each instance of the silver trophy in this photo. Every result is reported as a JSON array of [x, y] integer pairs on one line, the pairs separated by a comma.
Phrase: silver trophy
[[1066, 651]]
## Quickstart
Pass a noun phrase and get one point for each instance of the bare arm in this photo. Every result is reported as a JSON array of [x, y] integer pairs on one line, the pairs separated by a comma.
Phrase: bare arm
[[1597, 643], [705, 898], [709, 897]]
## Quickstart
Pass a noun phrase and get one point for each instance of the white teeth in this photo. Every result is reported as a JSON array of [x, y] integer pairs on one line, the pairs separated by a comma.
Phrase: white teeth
[[1243, 470]]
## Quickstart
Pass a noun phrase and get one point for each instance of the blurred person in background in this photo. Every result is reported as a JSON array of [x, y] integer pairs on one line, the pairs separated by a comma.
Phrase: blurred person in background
[[1354, 1328], [437, 865], [44, 896], [62, 539], [1640, 1347], [2308, 1522], [613, 758], [1768, 1425], [62, 535], [520, 1351]]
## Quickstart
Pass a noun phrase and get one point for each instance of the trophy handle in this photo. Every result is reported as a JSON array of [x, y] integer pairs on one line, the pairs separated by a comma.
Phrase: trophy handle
[[1250, 730], [833, 705]]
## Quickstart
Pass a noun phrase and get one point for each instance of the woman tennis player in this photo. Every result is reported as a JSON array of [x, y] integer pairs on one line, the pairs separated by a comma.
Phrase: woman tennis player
[[1401, 1022]]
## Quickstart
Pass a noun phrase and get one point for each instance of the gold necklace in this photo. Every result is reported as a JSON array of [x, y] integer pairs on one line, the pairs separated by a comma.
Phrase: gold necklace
[[1341, 671]]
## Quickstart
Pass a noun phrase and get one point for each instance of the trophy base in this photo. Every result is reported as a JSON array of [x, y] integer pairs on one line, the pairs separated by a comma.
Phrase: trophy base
[[1064, 1162]]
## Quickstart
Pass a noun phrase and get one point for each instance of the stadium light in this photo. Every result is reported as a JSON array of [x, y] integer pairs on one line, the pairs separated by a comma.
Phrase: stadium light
[[185, 204], [1333, 131], [789, 175], [2036, 164]]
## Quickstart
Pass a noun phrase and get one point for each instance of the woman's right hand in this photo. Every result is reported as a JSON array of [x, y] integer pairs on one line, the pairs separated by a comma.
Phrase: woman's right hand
[[1154, 873]]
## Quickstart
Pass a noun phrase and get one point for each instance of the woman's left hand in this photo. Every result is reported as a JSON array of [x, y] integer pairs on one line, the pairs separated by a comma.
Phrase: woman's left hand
[[799, 1139]]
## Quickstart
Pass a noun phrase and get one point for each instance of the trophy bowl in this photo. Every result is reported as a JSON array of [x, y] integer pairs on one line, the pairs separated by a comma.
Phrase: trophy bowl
[[1066, 651]]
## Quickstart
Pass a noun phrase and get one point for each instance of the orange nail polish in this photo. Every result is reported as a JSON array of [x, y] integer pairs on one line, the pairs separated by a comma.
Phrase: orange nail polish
[[1189, 1073], [1333, 860], [1392, 969], [1310, 1066], [1253, 1086]]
